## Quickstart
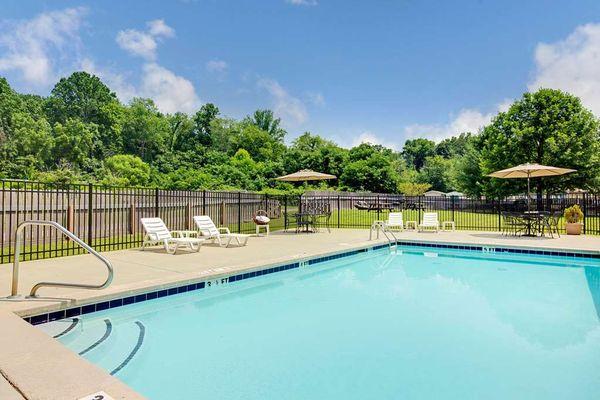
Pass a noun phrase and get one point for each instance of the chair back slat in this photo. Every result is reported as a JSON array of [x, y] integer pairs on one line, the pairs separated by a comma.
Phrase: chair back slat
[[156, 228], [206, 226], [430, 218], [395, 219]]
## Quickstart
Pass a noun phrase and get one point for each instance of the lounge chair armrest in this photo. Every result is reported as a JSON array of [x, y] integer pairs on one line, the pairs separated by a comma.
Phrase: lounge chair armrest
[[224, 228]]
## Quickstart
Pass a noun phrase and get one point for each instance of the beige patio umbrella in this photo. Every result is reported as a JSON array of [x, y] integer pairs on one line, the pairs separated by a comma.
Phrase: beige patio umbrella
[[529, 171], [305, 175]]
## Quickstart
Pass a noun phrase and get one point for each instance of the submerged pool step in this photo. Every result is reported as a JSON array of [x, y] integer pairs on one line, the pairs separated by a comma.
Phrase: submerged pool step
[[119, 347], [85, 336]]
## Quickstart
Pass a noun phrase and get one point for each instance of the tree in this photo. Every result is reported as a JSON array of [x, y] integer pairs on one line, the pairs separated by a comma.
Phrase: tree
[[81, 95], [126, 170], [145, 130], [438, 173], [73, 142], [266, 121], [415, 151], [85, 97], [548, 127], [313, 152], [377, 174], [202, 123], [455, 146]]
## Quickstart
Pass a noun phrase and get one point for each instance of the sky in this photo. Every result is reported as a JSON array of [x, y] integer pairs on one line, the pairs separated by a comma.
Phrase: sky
[[348, 70]]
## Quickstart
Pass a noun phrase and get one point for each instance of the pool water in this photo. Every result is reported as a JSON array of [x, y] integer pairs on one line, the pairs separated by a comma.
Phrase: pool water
[[421, 324]]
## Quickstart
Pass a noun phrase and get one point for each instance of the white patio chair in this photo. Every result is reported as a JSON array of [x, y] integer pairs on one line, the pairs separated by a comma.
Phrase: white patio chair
[[157, 233], [210, 231], [430, 220], [395, 221]]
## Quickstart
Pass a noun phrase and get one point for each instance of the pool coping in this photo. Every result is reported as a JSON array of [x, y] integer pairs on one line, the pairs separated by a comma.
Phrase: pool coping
[[152, 292]]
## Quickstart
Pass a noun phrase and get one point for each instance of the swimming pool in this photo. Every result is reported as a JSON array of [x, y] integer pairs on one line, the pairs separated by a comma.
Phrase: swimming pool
[[421, 324]]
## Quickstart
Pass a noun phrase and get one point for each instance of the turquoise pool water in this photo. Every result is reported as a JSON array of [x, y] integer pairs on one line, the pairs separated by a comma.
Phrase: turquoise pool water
[[422, 324]]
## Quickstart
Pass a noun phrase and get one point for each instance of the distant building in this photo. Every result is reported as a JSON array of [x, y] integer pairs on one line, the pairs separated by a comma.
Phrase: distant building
[[455, 194], [434, 193]]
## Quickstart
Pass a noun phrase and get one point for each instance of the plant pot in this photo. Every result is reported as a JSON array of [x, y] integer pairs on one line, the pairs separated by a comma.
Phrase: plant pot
[[574, 228]]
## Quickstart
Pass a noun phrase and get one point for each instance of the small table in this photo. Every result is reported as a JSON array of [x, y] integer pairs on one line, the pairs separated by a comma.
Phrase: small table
[[446, 223], [413, 223], [185, 234]]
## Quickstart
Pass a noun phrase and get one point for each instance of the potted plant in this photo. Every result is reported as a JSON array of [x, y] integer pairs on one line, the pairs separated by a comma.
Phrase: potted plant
[[574, 216]]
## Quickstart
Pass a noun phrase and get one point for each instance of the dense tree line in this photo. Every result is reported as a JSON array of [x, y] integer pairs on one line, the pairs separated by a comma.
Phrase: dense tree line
[[82, 132]]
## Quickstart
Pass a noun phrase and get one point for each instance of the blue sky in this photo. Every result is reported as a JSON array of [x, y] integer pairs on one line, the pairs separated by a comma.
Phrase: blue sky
[[380, 71]]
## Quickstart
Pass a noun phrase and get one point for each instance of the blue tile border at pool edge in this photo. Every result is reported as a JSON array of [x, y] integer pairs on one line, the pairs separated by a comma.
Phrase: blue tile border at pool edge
[[119, 302]]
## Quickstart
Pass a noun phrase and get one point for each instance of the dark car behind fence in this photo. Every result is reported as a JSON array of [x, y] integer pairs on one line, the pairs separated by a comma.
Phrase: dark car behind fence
[[108, 218]]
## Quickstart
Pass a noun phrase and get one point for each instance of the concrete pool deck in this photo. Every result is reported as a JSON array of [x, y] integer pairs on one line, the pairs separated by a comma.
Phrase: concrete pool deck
[[40, 368]]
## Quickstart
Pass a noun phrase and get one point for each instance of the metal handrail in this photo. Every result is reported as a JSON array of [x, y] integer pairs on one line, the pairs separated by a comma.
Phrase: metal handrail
[[380, 226], [72, 236]]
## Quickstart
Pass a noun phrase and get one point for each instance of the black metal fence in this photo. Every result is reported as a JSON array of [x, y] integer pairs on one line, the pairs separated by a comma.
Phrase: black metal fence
[[108, 218]]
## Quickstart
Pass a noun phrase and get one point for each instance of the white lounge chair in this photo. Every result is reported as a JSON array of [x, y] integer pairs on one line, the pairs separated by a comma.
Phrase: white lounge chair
[[157, 233], [430, 220], [395, 221], [210, 231]]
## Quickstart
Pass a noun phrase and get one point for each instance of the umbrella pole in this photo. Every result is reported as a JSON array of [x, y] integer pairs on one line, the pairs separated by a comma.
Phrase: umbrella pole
[[528, 194]]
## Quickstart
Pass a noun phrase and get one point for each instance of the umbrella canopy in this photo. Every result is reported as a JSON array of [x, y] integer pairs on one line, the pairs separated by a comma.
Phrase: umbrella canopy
[[530, 171], [305, 175]]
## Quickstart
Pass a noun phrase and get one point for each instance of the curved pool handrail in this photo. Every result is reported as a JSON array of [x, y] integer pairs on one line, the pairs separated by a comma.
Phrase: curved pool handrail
[[72, 236]]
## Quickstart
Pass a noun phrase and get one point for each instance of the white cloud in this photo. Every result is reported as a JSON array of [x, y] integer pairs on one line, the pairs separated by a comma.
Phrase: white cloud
[[137, 43], [144, 44], [158, 27], [370, 137], [286, 106], [217, 66], [316, 98], [169, 91], [571, 65], [30, 44], [302, 2], [467, 120]]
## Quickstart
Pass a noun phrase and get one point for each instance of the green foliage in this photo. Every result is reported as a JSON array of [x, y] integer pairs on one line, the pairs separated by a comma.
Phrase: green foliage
[[73, 142], [82, 132], [438, 172], [416, 151], [376, 173], [413, 189], [266, 121], [573, 214], [146, 132], [126, 170]]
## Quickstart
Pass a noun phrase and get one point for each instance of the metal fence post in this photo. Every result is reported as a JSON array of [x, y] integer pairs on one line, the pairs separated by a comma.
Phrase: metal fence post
[[584, 211], [378, 209], [452, 202], [285, 213], [204, 202], [90, 219], [339, 210], [239, 212], [156, 202], [499, 216]]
